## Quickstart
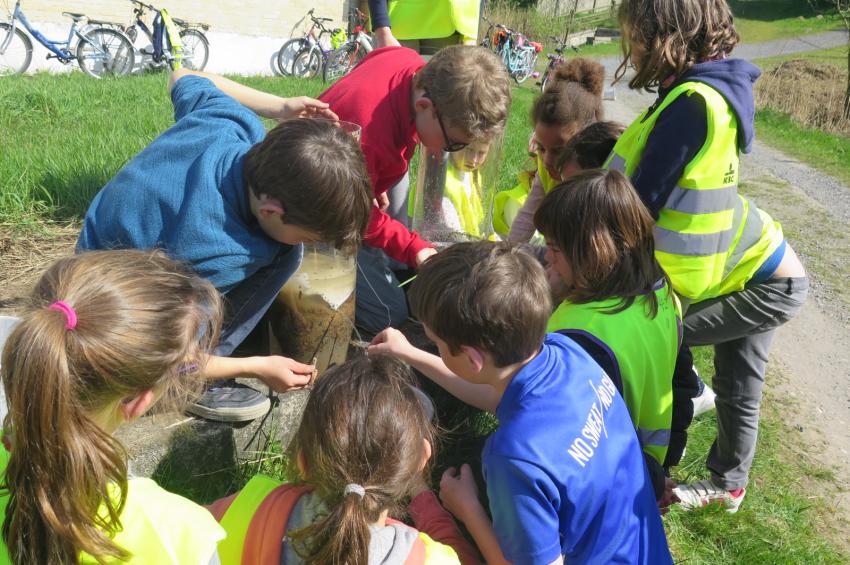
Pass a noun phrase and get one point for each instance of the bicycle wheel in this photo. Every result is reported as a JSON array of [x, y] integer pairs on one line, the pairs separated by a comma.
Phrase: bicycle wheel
[[525, 60], [17, 54], [104, 51], [287, 52], [342, 60], [196, 49], [307, 63]]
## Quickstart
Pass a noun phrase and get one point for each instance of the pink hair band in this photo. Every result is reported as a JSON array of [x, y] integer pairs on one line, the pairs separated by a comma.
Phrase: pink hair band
[[70, 314]]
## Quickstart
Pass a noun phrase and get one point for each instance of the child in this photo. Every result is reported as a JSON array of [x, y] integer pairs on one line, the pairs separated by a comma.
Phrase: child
[[215, 191], [618, 304], [573, 100], [727, 260], [462, 206], [363, 445], [565, 476], [107, 334], [588, 149], [460, 96]]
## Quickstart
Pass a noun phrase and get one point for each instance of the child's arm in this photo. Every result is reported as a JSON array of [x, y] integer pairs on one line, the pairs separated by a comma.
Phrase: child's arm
[[278, 373], [522, 227], [431, 518], [392, 342], [264, 104]]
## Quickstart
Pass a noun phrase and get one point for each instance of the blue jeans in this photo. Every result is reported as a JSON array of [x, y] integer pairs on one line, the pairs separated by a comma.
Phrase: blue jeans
[[247, 302], [380, 301]]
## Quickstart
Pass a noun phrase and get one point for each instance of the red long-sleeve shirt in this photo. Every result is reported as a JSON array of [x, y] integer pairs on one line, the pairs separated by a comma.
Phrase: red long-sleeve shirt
[[377, 95]]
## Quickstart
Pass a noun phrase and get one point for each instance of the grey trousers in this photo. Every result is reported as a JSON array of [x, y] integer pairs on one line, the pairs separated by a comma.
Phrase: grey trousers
[[741, 327]]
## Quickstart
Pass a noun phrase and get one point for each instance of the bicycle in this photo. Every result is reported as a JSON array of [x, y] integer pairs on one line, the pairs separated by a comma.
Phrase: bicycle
[[358, 44], [99, 50], [194, 52], [295, 57], [555, 60], [518, 53]]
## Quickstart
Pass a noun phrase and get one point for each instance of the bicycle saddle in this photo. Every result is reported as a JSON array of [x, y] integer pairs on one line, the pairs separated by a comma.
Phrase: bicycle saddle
[[537, 46], [73, 16]]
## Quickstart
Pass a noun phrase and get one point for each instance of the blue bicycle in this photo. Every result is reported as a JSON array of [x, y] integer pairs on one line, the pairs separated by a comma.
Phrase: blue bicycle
[[99, 51]]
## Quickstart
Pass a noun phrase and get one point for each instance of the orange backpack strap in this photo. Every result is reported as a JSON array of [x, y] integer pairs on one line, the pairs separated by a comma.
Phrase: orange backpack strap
[[268, 526], [418, 553]]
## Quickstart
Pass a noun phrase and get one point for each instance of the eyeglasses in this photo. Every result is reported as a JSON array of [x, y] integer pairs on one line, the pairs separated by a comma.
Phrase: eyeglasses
[[451, 146]]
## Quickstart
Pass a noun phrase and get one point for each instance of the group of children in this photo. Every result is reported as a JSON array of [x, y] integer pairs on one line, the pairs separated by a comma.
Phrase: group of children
[[649, 249]]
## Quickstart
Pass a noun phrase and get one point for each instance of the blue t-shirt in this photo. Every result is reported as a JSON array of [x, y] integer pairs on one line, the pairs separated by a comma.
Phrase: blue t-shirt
[[564, 470], [184, 193]]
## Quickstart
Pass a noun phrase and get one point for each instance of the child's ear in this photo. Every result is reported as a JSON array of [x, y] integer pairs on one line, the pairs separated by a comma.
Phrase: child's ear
[[426, 453], [136, 405], [268, 207], [474, 357], [422, 103]]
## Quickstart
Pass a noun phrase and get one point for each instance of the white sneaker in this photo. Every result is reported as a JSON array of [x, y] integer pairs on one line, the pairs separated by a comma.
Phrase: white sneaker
[[704, 402], [702, 493]]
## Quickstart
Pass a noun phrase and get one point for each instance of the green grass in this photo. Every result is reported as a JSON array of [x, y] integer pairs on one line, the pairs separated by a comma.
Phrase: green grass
[[59, 148], [826, 152], [836, 56], [766, 20]]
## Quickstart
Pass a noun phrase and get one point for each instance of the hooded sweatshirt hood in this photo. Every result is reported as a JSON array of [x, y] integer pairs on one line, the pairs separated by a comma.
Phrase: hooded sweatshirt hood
[[733, 79]]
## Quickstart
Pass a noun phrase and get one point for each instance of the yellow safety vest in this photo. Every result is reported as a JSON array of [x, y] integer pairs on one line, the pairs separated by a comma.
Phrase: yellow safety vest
[[709, 239], [466, 199], [434, 19], [157, 527], [508, 203], [644, 352], [258, 516]]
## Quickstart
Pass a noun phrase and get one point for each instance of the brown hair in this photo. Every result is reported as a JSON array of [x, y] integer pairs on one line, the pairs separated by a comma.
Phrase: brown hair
[[487, 295], [590, 147], [604, 231], [673, 35], [363, 424], [318, 173], [572, 96], [470, 87], [139, 318]]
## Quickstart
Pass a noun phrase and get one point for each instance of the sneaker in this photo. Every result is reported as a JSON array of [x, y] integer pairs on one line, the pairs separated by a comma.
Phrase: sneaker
[[230, 402], [704, 402], [702, 493]]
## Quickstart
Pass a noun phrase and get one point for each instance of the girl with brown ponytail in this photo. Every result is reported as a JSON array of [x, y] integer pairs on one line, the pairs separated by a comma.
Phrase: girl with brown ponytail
[[105, 336], [362, 449]]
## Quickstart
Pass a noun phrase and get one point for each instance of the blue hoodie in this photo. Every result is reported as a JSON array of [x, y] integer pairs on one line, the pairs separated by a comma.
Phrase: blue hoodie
[[681, 129]]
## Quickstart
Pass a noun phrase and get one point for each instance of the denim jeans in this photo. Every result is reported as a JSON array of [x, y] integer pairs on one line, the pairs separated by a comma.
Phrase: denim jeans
[[741, 327], [247, 302]]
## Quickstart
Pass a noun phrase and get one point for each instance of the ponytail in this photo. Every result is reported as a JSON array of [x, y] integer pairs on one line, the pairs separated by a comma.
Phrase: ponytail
[[103, 326], [573, 95], [63, 479]]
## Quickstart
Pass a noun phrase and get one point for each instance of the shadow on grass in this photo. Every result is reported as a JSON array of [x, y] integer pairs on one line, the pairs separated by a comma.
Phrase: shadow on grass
[[71, 192]]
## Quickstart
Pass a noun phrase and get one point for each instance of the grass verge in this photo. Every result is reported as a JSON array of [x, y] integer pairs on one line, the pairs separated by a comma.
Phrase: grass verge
[[766, 20]]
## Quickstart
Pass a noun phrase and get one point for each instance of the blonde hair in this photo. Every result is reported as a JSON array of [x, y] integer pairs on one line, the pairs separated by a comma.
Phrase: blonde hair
[[470, 87], [673, 36], [142, 320]]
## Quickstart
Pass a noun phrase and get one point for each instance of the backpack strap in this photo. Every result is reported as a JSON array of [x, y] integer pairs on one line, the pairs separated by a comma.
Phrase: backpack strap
[[268, 526]]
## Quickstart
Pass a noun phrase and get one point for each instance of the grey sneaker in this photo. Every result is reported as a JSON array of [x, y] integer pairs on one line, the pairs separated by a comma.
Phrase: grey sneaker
[[230, 402], [705, 492]]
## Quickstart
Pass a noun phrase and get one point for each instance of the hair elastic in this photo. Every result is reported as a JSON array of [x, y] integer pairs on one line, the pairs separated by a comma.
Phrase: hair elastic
[[70, 314], [355, 488]]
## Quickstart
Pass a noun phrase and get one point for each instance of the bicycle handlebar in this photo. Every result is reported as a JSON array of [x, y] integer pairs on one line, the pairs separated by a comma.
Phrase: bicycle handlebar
[[143, 5]]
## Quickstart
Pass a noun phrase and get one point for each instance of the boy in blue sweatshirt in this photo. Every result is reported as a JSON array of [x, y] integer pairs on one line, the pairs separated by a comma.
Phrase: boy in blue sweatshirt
[[565, 476]]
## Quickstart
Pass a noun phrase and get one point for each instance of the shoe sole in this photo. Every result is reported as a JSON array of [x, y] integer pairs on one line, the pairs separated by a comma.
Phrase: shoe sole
[[230, 415]]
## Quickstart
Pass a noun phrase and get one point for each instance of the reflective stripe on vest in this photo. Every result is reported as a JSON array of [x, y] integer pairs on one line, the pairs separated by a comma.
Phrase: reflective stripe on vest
[[644, 353], [465, 195], [708, 238]]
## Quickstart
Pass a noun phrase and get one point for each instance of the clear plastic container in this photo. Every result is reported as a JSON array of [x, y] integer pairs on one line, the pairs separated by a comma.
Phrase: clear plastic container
[[454, 193], [312, 317]]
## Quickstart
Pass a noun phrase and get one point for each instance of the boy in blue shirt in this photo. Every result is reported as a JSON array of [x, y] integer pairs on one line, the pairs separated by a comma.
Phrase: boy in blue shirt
[[565, 476], [217, 192]]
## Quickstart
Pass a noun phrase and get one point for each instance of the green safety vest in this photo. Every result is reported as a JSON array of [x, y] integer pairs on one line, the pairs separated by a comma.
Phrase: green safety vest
[[467, 206], [508, 203], [643, 350], [709, 239], [434, 19], [256, 520], [157, 526]]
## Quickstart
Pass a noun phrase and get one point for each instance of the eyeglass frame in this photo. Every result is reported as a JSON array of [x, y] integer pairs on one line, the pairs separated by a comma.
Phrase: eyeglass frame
[[450, 146]]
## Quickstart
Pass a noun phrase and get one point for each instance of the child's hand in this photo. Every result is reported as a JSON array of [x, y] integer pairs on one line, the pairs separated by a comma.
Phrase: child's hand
[[281, 373], [459, 492], [381, 202], [305, 107], [423, 255], [390, 342]]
